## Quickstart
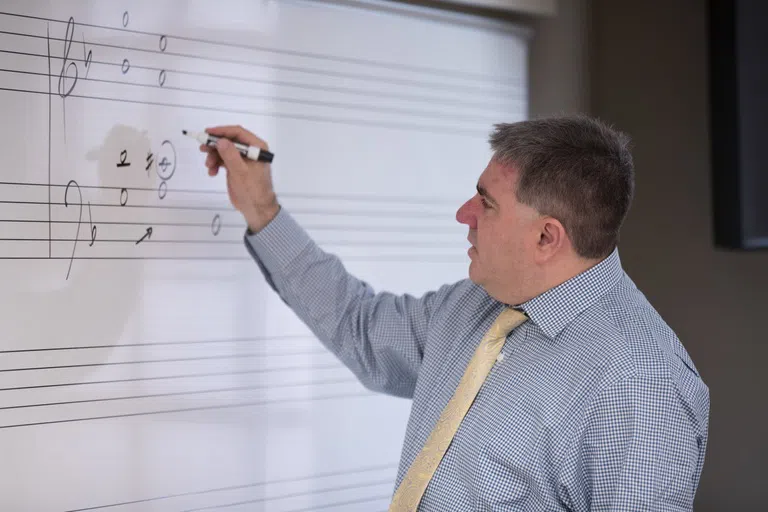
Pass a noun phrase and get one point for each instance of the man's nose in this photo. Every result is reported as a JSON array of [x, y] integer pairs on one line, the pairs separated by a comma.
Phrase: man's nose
[[466, 215]]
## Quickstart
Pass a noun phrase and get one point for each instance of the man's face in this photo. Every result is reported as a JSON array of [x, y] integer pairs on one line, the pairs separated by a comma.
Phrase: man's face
[[503, 232]]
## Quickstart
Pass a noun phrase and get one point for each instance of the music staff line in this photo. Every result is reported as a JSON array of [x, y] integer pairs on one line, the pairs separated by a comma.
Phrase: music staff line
[[426, 249], [181, 376], [214, 240], [421, 201], [461, 102], [324, 243], [421, 258], [234, 504], [279, 51], [315, 351], [184, 393], [426, 259], [253, 339], [310, 509], [313, 508], [432, 100], [188, 409], [279, 481], [283, 67], [201, 208], [297, 101], [273, 114], [318, 227], [251, 355]]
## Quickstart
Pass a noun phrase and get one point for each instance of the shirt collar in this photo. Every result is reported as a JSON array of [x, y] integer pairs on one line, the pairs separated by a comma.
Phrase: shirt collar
[[554, 309]]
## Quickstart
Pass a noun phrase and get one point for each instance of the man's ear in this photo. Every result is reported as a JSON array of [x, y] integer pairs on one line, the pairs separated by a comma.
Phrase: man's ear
[[552, 238]]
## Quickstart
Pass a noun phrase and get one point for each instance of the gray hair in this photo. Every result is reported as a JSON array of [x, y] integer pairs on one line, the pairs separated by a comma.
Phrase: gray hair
[[574, 168]]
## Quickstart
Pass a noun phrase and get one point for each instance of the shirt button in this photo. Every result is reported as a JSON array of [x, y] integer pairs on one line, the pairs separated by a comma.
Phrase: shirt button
[[500, 357]]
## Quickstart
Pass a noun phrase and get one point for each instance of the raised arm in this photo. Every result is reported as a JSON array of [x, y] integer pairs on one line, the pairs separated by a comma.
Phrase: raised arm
[[379, 336]]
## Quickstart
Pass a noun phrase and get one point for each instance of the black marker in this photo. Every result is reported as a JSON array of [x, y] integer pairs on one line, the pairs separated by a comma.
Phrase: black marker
[[251, 152]]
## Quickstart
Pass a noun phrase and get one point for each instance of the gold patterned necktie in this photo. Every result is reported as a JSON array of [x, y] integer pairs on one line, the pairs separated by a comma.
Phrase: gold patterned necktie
[[411, 489]]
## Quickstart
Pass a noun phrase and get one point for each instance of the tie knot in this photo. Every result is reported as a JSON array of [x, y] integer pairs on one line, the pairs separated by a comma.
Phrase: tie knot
[[507, 320]]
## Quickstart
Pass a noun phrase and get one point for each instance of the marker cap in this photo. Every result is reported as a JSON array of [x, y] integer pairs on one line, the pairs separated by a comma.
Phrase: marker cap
[[254, 152]]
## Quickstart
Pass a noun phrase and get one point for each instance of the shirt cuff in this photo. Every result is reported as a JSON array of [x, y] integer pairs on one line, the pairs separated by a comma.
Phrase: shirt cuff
[[279, 242]]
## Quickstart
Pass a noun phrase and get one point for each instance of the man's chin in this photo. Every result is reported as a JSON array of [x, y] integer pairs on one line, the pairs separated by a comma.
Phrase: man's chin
[[474, 274]]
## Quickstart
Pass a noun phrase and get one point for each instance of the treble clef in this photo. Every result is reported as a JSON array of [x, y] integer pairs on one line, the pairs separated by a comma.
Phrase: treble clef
[[66, 64]]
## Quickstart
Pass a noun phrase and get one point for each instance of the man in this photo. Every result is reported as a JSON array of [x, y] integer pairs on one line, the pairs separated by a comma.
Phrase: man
[[589, 403]]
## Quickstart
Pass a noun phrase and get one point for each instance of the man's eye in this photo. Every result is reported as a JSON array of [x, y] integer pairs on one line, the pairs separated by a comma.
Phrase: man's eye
[[485, 203]]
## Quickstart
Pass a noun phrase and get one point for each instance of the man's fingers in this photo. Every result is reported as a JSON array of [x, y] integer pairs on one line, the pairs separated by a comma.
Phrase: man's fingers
[[231, 156], [210, 151], [238, 134], [212, 160]]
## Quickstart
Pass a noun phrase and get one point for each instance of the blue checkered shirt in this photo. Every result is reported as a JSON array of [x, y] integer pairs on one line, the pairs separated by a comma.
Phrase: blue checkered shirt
[[594, 406]]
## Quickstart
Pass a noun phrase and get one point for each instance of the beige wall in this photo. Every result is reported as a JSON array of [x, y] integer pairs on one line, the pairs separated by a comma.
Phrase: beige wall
[[649, 76], [537, 7], [559, 60]]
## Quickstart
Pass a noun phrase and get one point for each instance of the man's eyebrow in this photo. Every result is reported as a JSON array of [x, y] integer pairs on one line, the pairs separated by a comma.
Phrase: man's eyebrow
[[481, 190]]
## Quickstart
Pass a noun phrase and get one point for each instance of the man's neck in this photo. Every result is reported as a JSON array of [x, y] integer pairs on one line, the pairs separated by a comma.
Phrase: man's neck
[[550, 277]]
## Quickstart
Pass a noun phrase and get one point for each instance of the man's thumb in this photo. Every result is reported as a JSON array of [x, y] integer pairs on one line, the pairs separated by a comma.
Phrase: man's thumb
[[233, 161]]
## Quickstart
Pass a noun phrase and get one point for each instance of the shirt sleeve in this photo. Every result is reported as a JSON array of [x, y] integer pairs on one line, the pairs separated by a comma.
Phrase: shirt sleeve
[[380, 336], [637, 451]]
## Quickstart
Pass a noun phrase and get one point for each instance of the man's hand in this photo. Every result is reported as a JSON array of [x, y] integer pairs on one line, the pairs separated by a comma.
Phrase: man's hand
[[249, 183]]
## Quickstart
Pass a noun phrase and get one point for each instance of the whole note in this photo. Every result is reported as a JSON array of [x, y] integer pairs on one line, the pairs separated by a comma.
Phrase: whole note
[[166, 164], [162, 189]]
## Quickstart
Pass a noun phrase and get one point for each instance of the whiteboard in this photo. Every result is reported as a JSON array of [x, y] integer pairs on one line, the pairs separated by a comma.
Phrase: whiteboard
[[145, 364]]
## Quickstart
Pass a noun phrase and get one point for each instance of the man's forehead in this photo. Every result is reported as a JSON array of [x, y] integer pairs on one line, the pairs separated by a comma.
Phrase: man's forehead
[[498, 176]]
